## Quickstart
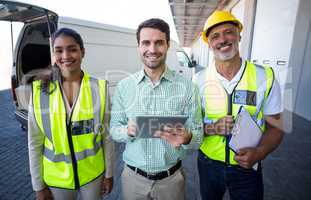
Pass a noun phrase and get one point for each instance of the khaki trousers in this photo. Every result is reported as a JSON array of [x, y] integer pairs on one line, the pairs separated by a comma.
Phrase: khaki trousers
[[90, 191], [137, 187]]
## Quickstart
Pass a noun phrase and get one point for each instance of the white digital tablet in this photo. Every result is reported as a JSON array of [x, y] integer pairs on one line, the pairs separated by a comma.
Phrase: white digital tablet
[[148, 124]]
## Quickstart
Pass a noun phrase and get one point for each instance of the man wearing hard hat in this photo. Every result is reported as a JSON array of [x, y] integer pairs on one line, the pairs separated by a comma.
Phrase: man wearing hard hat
[[229, 84]]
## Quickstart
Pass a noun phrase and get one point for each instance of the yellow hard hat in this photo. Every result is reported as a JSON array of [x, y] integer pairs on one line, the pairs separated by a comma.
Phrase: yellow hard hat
[[218, 17]]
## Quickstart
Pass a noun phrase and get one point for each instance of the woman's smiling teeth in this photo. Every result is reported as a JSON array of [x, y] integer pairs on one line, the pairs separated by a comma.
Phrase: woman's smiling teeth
[[67, 62]]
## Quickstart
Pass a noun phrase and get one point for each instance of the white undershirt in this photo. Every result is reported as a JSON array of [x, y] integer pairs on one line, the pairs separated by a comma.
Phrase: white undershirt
[[229, 85], [272, 106]]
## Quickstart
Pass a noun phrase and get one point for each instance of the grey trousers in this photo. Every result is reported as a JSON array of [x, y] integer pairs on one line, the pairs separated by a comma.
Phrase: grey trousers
[[137, 187], [90, 191]]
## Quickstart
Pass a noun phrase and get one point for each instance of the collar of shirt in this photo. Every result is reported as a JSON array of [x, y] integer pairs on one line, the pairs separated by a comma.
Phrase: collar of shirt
[[230, 85], [167, 74]]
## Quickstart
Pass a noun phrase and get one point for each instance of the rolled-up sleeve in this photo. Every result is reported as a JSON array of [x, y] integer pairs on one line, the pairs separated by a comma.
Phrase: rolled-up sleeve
[[194, 122], [118, 123]]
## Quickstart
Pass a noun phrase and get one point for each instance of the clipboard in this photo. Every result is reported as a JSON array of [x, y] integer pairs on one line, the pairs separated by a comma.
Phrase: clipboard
[[148, 124], [245, 133]]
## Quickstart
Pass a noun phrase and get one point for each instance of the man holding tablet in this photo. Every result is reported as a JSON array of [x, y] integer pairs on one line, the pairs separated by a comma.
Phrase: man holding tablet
[[153, 164]]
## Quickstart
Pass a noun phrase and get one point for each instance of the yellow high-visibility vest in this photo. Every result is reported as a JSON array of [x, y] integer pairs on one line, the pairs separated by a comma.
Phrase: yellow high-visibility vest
[[251, 92], [73, 154]]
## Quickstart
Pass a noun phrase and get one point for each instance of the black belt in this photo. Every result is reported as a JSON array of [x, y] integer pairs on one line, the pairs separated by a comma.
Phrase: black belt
[[158, 175]]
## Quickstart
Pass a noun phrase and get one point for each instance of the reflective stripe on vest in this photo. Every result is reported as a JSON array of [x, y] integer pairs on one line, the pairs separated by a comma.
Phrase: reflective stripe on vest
[[250, 92], [84, 133]]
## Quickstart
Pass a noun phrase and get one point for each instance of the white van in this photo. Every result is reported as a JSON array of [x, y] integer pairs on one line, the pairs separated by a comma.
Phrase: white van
[[111, 51]]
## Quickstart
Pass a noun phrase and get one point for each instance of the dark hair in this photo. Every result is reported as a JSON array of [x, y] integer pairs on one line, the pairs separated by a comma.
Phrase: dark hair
[[52, 73], [69, 33], [156, 24]]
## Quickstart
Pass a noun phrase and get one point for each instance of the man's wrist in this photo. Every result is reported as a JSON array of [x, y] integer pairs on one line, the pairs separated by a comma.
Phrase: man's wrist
[[261, 153], [188, 138]]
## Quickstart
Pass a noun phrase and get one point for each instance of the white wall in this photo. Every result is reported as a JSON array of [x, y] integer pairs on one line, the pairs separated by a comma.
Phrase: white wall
[[273, 37], [244, 10], [300, 60], [200, 52], [238, 12]]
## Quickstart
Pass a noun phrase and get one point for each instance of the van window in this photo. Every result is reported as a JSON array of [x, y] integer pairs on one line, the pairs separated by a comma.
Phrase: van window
[[183, 59], [35, 56]]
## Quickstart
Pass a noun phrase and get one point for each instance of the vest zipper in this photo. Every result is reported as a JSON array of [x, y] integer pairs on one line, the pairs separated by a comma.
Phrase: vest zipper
[[229, 112], [228, 136], [72, 151]]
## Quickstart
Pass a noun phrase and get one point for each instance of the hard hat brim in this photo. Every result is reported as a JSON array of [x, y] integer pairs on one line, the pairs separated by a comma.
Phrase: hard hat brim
[[207, 31]]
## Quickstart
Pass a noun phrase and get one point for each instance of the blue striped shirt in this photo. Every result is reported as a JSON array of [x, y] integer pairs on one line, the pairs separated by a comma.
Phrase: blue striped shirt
[[173, 95]]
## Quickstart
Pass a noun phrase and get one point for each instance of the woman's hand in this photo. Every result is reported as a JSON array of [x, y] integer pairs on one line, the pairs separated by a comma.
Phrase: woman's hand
[[107, 184], [44, 194]]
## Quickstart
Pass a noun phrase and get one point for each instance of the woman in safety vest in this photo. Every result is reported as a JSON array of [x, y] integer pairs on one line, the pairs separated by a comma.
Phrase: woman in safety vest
[[70, 152]]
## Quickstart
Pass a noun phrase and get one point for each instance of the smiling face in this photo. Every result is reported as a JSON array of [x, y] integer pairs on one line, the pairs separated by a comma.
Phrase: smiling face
[[224, 41], [68, 54], [153, 47]]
